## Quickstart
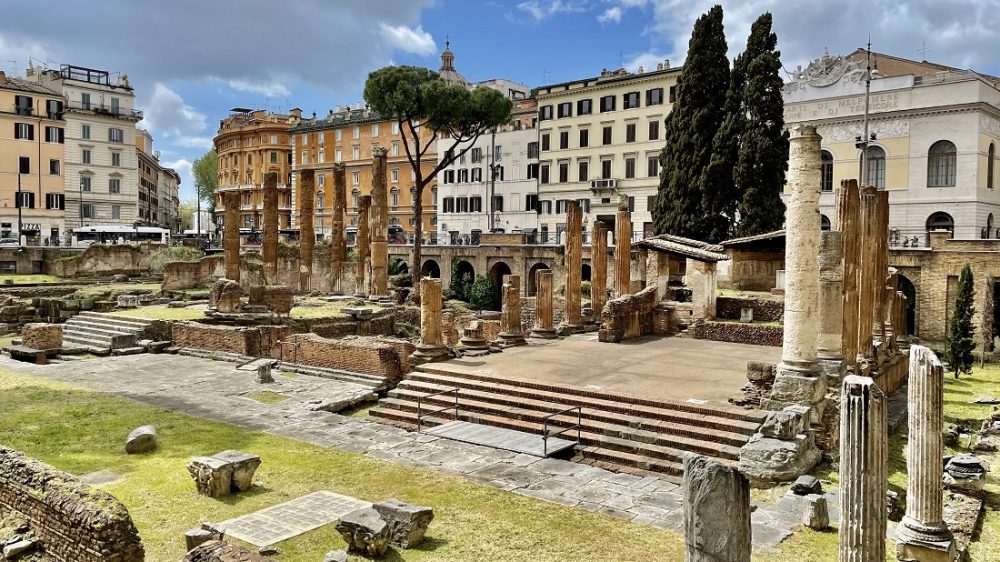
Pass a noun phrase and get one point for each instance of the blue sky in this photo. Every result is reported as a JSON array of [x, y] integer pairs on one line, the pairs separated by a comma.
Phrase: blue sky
[[193, 60]]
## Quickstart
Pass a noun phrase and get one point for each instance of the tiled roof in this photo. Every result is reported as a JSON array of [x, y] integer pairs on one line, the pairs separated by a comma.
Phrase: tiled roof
[[700, 251], [757, 238], [11, 83]]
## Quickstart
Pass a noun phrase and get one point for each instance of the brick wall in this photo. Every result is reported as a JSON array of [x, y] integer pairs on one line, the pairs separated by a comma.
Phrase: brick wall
[[42, 336], [764, 310], [629, 316], [181, 275], [257, 341], [737, 333], [753, 270], [74, 522], [374, 356]]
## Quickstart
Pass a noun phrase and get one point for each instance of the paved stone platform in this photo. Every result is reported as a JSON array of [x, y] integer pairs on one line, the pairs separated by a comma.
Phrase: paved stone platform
[[500, 438], [292, 518]]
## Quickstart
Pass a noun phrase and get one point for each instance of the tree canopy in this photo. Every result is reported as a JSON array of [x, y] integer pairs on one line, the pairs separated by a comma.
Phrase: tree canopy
[[959, 344], [205, 172]]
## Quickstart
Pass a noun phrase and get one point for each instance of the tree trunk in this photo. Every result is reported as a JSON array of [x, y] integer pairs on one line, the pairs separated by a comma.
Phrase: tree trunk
[[418, 233]]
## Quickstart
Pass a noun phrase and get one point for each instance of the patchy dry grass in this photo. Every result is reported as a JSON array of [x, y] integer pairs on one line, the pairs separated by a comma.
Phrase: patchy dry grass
[[267, 397], [162, 312], [30, 279]]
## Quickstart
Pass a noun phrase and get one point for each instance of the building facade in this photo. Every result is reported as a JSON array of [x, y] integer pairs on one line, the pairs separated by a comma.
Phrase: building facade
[[249, 144], [600, 140], [169, 190], [32, 161], [101, 181], [936, 132], [149, 180]]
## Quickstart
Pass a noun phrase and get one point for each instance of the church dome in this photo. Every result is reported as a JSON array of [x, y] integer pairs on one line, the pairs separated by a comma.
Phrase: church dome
[[447, 70]]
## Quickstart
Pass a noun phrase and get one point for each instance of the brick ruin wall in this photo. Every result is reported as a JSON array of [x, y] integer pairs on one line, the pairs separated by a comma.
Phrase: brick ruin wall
[[74, 522], [180, 275], [99, 260], [629, 316], [368, 355], [736, 332], [764, 310], [258, 341], [41, 336]]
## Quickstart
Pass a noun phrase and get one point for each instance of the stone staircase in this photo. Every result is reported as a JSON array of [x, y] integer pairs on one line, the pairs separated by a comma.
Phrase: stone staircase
[[623, 433], [103, 333]]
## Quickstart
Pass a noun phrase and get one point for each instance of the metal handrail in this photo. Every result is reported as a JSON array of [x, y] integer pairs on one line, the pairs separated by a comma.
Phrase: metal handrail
[[295, 350], [545, 427], [421, 413]]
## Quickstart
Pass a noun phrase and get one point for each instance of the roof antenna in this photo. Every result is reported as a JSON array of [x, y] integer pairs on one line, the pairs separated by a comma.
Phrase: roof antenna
[[923, 50]]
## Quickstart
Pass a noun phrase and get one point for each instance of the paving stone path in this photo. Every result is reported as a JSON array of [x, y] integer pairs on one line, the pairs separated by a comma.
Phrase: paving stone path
[[216, 390], [292, 518]]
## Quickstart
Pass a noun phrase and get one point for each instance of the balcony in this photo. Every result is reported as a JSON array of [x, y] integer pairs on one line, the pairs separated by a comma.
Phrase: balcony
[[100, 109], [607, 183]]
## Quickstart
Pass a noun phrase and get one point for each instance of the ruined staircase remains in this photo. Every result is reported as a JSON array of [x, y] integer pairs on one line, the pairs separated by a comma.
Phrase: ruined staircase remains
[[102, 334]]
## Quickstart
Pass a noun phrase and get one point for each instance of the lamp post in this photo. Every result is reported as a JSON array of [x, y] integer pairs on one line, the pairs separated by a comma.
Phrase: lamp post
[[19, 207], [81, 200], [865, 139]]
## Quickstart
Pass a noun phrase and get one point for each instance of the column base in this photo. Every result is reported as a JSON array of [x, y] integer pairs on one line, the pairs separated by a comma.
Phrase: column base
[[924, 543], [474, 343], [565, 328], [795, 387], [511, 339], [429, 354], [543, 333]]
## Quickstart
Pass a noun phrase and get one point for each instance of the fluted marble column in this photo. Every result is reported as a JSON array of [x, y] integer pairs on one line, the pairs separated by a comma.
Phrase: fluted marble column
[[598, 269], [623, 250], [269, 243], [572, 318], [863, 471], [922, 535], [307, 234], [361, 247], [338, 243], [379, 225], [543, 327], [510, 315], [848, 223], [431, 347], [231, 234]]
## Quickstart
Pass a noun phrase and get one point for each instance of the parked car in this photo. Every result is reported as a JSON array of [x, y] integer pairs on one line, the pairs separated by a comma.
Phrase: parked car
[[9, 242]]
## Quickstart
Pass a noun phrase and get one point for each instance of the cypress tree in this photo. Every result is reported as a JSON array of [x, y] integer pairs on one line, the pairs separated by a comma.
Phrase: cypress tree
[[721, 194], [690, 129], [763, 152], [959, 345]]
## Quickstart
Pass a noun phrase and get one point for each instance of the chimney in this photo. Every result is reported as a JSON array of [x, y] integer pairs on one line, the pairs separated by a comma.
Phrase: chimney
[[641, 70], [659, 66], [666, 64], [3, 77], [296, 113]]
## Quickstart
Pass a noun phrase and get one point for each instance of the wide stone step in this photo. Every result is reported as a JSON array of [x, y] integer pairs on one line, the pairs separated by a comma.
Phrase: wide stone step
[[98, 340], [96, 324], [372, 381], [140, 323], [90, 329]]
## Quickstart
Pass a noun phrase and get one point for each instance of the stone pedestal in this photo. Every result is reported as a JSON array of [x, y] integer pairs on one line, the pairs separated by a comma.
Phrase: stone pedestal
[[338, 242], [543, 327], [572, 319], [379, 226], [366, 532], [407, 522], [703, 282], [269, 240], [431, 347], [511, 333], [716, 512], [863, 471], [231, 234], [782, 450], [472, 337], [623, 250], [307, 233], [598, 269], [361, 248], [922, 535]]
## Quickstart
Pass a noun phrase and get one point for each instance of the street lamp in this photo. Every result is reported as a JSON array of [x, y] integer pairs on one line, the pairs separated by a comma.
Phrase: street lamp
[[865, 139]]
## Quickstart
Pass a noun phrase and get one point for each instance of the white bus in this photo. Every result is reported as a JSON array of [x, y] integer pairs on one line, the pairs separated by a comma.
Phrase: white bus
[[86, 235]]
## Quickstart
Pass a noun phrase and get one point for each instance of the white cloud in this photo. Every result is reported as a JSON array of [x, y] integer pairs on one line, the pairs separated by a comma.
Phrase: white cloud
[[194, 142], [183, 169], [544, 9], [409, 39], [167, 115], [270, 89], [612, 14], [647, 61]]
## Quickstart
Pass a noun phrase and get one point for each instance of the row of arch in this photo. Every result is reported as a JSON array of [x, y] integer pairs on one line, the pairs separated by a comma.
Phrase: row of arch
[[941, 166]]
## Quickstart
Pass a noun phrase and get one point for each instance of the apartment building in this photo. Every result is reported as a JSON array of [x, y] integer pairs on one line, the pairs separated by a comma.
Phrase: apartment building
[[100, 176], [600, 139], [249, 144], [149, 179], [32, 161], [169, 191]]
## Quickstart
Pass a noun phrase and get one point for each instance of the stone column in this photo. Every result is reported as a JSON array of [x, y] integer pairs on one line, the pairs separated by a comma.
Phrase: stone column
[[511, 333], [901, 328], [829, 344], [431, 347], [922, 535], [716, 511], [231, 233], [598, 269], [307, 234], [269, 244], [361, 247], [543, 306], [882, 261], [703, 281], [338, 247], [641, 266], [848, 223], [863, 471], [379, 225], [869, 279], [798, 380], [574, 266], [623, 250]]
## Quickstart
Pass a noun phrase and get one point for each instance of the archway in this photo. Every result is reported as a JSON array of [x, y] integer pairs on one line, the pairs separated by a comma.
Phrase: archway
[[497, 272], [585, 272], [907, 288], [430, 269], [939, 221], [531, 281], [824, 222], [398, 266], [463, 275]]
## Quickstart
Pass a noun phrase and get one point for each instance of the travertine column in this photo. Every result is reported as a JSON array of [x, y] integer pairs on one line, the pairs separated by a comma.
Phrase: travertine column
[[702, 279], [831, 302], [882, 261], [922, 535], [231, 233], [716, 511], [379, 225], [572, 318], [869, 278], [543, 305], [598, 269], [863, 471], [641, 267], [849, 225], [623, 250], [888, 309], [510, 315], [338, 243], [431, 347], [361, 247], [307, 234], [900, 326], [269, 244]]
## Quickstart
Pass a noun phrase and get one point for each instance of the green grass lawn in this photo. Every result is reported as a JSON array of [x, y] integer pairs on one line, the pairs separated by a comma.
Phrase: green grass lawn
[[312, 307], [20, 279], [162, 312], [112, 290]]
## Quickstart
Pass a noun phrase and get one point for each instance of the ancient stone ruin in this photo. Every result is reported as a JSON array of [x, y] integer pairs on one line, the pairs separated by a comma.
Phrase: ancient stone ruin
[[307, 234], [716, 511], [223, 473], [378, 229]]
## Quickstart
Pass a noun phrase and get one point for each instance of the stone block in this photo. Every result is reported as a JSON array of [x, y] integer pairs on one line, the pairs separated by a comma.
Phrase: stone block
[[716, 511], [212, 477], [243, 465], [42, 336], [746, 315], [407, 522], [966, 473], [264, 373], [767, 461], [141, 440], [817, 514], [193, 538], [786, 424], [806, 485], [365, 531], [759, 371], [335, 556]]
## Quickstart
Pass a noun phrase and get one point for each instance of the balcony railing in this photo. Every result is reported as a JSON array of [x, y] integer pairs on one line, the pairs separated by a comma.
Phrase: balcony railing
[[98, 108]]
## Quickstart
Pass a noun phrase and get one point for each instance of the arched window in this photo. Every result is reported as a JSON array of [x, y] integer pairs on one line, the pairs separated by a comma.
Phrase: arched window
[[826, 174], [355, 198], [941, 164], [394, 198], [319, 200], [989, 226], [991, 157], [824, 222], [941, 221], [876, 167]]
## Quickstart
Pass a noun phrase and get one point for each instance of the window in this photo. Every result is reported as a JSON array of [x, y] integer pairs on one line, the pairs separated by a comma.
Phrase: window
[[115, 105], [356, 133], [544, 207], [394, 148], [24, 165], [991, 156], [941, 221], [584, 138], [673, 94], [54, 134], [531, 202], [563, 172], [116, 159], [584, 205], [584, 107], [654, 96], [498, 153], [394, 128], [876, 166], [563, 139], [498, 203], [116, 135], [582, 169], [654, 130], [463, 176], [356, 153], [630, 132], [449, 204], [650, 203], [356, 178], [89, 211], [114, 185], [476, 204], [321, 181], [605, 169], [24, 200], [394, 175], [54, 167], [86, 156], [532, 150], [545, 144], [630, 100], [304, 159], [85, 131], [545, 113], [462, 205], [116, 211], [477, 174], [826, 171], [375, 129], [24, 131], [629, 168], [449, 176], [338, 155], [336, 135], [477, 155], [561, 206], [941, 164], [355, 198], [23, 105], [566, 109], [321, 155], [606, 135], [544, 174], [55, 201], [394, 198], [652, 166], [85, 183], [607, 103], [532, 171]]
